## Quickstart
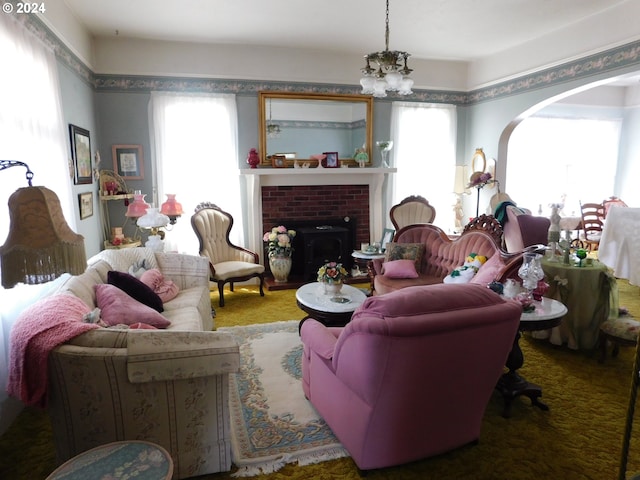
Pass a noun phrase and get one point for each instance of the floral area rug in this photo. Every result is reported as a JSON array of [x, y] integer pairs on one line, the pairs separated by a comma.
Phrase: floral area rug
[[272, 423]]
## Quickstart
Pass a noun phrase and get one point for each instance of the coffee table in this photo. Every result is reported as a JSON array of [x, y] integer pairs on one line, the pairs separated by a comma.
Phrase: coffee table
[[130, 458], [547, 314], [313, 300]]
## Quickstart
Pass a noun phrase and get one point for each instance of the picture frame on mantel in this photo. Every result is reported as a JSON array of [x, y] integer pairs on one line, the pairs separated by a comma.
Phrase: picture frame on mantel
[[81, 155], [331, 160], [128, 161], [278, 161]]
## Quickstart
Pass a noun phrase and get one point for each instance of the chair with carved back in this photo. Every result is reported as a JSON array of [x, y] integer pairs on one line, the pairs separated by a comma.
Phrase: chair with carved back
[[412, 210], [228, 263], [592, 223]]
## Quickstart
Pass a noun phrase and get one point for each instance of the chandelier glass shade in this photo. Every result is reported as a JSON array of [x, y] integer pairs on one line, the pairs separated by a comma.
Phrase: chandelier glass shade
[[273, 129], [389, 73]]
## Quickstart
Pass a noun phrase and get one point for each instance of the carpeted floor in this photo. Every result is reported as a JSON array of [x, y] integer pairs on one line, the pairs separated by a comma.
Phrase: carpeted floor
[[579, 438]]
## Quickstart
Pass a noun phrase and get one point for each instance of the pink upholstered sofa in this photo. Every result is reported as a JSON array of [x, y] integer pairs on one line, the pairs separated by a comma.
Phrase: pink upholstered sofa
[[442, 255], [412, 373]]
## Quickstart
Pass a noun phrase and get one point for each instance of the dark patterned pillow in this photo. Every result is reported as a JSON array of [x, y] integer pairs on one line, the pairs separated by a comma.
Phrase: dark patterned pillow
[[406, 251], [135, 289]]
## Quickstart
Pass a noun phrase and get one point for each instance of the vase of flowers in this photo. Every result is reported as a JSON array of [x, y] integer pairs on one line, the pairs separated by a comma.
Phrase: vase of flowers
[[279, 250], [332, 275]]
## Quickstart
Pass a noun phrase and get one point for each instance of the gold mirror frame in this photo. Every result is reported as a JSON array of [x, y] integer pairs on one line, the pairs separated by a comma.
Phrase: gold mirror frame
[[264, 97]]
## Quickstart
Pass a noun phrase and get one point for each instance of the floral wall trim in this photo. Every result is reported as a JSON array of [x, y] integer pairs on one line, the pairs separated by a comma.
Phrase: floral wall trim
[[627, 55]]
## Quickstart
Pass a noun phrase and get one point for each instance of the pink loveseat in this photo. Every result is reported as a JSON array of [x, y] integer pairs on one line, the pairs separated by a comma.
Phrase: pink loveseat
[[412, 373], [442, 255]]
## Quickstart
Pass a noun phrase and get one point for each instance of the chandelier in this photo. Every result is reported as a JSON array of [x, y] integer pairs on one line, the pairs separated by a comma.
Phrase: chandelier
[[392, 74], [273, 129]]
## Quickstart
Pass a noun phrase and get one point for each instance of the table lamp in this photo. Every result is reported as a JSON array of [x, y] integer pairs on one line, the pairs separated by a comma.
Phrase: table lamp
[[171, 208], [40, 245], [154, 220]]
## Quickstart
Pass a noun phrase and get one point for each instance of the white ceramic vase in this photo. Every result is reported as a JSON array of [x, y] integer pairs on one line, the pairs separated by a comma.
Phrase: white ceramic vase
[[280, 266]]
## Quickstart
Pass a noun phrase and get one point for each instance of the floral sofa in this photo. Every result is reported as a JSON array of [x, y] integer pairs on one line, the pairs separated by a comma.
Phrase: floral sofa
[[168, 386], [435, 256]]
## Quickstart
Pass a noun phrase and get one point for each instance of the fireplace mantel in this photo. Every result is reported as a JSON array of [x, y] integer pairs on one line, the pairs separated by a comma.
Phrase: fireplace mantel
[[256, 178]]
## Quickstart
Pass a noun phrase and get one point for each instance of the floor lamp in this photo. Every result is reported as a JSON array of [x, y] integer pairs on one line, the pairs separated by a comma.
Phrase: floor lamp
[[40, 245]]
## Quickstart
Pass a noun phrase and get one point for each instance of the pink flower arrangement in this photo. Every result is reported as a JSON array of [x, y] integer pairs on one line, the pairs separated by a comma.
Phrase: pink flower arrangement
[[279, 241], [332, 272]]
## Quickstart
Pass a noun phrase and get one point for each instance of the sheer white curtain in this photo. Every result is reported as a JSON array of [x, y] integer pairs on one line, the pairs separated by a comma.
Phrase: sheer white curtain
[[551, 158], [31, 131], [424, 152], [194, 141]]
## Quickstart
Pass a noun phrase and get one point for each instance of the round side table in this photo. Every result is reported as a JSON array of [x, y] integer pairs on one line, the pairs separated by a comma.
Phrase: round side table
[[313, 300], [130, 458]]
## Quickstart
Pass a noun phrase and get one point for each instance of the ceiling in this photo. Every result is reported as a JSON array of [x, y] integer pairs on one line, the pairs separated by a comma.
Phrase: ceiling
[[463, 30]]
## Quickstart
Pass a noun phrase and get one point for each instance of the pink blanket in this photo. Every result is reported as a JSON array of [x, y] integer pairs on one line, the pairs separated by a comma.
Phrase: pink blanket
[[38, 330]]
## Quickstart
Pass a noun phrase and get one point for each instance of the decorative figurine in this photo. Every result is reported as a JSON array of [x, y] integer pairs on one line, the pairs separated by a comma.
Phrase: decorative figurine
[[253, 159]]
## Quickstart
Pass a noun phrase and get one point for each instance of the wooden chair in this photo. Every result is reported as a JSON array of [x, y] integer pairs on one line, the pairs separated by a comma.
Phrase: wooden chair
[[612, 202], [592, 223], [412, 210], [228, 263]]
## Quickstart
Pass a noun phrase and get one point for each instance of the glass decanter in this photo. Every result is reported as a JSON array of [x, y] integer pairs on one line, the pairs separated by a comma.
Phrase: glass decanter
[[531, 272]]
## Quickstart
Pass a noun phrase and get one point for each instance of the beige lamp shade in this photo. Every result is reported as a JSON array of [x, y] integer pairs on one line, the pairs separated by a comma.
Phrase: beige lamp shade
[[40, 246]]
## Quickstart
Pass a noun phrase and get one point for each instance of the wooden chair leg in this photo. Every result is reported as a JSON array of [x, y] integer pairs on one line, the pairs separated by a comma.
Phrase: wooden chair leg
[[262, 285], [221, 293]]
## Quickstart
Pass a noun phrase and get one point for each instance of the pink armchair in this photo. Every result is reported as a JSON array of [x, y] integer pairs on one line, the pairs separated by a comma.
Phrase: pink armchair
[[412, 373]]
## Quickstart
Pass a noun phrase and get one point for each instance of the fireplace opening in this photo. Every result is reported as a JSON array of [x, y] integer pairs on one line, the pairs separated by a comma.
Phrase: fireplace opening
[[317, 242], [322, 244]]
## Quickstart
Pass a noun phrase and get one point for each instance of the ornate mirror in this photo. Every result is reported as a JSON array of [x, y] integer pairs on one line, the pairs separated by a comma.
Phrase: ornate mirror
[[302, 126]]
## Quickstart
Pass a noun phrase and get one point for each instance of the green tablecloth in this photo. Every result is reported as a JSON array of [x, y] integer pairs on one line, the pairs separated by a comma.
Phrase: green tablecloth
[[590, 294]]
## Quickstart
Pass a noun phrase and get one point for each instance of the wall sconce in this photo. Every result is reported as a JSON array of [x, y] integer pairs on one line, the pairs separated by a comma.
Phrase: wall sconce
[[40, 245]]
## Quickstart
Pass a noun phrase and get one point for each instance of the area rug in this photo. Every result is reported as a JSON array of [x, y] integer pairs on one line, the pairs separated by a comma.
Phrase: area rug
[[272, 423]]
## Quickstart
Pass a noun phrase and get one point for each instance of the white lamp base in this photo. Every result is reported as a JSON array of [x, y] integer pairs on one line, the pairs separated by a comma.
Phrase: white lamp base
[[155, 243]]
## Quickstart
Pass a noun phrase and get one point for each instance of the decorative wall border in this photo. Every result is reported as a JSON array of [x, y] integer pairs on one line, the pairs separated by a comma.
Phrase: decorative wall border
[[624, 56]]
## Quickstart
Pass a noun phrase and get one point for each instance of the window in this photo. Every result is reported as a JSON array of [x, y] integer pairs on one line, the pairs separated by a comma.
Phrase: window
[[194, 138], [556, 160], [424, 151]]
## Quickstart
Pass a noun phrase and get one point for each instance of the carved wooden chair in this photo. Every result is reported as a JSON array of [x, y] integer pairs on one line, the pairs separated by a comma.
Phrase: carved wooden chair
[[228, 263], [488, 224], [413, 209], [592, 223]]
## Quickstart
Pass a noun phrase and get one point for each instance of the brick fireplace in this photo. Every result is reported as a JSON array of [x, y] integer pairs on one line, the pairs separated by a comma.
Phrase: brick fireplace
[[343, 197]]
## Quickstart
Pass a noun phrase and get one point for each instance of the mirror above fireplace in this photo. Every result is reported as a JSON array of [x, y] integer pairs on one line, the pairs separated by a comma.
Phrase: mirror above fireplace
[[301, 126]]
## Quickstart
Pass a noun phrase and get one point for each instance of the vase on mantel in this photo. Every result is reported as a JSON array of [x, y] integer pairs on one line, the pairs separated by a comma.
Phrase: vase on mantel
[[280, 266]]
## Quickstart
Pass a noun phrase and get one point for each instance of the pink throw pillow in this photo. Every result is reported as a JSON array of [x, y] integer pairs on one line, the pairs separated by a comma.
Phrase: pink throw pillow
[[117, 307], [489, 270], [399, 269], [165, 289]]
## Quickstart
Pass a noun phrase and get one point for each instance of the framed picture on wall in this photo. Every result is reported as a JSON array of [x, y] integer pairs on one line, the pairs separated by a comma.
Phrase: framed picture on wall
[[331, 161], [85, 202], [128, 161], [81, 155]]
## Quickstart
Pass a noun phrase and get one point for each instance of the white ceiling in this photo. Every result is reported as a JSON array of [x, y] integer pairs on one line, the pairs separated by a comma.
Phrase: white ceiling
[[464, 30]]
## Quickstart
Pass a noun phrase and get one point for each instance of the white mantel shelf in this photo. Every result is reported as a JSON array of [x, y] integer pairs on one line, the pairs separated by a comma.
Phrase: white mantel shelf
[[256, 178]]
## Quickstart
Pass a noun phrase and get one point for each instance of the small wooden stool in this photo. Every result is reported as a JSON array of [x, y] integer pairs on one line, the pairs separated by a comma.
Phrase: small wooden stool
[[621, 331]]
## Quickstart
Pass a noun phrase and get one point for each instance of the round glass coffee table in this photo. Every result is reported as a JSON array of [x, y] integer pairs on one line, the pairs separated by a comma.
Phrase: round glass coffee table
[[333, 312]]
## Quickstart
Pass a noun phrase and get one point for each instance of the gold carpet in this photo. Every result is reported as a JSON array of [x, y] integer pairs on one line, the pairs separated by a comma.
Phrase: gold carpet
[[579, 438]]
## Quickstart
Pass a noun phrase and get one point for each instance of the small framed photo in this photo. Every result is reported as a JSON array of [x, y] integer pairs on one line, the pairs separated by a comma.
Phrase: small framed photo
[[81, 155], [278, 161], [331, 161], [128, 161], [387, 236], [85, 202]]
